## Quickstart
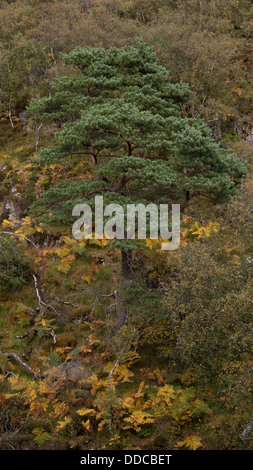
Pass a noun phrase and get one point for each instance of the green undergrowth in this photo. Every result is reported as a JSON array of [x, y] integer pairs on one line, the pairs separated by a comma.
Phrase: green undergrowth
[[62, 324]]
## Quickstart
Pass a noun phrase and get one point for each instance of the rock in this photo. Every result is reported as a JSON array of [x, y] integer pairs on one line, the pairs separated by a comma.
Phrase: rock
[[10, 207], [249, 139], [24, 119], [14, 207]]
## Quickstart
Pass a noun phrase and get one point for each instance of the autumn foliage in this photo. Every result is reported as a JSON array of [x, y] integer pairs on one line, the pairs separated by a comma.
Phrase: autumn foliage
[[177, 373]]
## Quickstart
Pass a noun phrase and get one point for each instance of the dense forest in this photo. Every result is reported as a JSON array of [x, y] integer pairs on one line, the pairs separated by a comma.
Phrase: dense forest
[[118, 344]]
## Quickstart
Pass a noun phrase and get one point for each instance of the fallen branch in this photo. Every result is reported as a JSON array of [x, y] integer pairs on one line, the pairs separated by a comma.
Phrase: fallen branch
[[112, 305], [52, 333], [22, 236], [113, 294], [61, 301], [23, 336], [41, 303], [9, 373], [48, 329], [16, 358]]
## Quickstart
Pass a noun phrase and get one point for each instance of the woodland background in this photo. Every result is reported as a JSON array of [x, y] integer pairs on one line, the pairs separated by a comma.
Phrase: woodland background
[[178, 374]]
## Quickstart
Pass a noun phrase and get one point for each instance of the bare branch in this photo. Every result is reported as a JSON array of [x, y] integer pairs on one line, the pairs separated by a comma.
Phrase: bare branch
[[41, 303], [18, 235], [23, 336], [53, 297], [52, 333], [111, 390], [16, 358]]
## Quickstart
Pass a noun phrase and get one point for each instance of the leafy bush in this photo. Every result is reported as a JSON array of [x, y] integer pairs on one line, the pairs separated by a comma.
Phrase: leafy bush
[[14, 267], [209, 309]]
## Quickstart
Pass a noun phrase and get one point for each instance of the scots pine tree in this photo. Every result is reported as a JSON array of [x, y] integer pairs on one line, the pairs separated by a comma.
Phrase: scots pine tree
[[118, 108]]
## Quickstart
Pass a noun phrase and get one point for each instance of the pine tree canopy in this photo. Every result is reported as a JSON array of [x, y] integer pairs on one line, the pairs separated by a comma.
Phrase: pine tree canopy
[[118, 108]]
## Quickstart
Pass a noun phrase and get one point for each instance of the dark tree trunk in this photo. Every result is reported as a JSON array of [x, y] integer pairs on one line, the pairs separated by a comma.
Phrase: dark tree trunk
[[185, 203], [93, 154], [127, 276], [187, 197], [126, 265], [129, 149]]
